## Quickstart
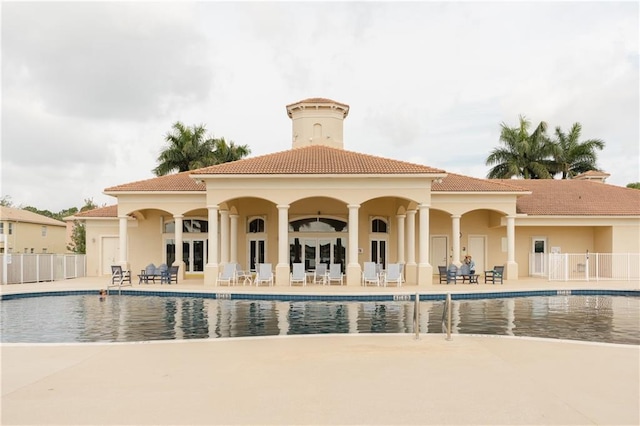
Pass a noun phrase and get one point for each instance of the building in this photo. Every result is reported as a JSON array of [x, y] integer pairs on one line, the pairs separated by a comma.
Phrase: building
[[318, 202], [22, 231]]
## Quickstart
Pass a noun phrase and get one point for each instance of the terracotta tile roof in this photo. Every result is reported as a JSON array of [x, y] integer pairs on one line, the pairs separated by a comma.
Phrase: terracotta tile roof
[[317, 159], [10, 214], [593, 173], [108, 211], [460, 183], [173, 182], [575, 198]]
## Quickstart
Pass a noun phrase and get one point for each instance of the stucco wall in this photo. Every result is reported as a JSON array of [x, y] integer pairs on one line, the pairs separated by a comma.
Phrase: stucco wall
[[28, 238]]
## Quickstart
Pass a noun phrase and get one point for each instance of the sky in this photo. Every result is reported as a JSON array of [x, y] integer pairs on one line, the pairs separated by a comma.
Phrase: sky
[[90, 89]]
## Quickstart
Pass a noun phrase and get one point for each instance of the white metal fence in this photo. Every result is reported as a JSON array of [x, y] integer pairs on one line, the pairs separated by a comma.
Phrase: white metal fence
[[19, 268], [585, 266]]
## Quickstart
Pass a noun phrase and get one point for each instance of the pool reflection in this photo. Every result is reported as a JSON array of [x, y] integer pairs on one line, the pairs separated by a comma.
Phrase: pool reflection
[[144, 318]]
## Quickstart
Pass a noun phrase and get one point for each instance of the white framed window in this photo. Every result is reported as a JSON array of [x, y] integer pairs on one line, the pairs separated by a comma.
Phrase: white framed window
[[44, 231], [256, 225]]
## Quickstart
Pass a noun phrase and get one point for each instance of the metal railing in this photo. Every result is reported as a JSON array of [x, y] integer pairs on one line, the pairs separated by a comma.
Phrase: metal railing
[[18, 268], [589, 266], [446, 317]]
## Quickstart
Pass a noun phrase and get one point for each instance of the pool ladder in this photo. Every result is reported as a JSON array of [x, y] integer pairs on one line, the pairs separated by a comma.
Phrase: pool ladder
[[446, 317]]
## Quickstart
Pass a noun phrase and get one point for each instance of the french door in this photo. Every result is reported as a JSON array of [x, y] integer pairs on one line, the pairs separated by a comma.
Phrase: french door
[[194, 254], [257, 252], [312, 251], [379, 252]]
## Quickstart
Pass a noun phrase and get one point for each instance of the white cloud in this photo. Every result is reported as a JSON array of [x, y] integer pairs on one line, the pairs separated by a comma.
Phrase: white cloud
[[90, 89]]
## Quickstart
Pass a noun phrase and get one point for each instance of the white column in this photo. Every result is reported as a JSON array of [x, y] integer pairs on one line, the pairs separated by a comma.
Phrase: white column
[[282, 268], [400, 218], [224, 236], [425, 270], [122, 235], [511, 239], [511, 271], [212, 267], [423, 242], [178, 240], [233, 239], [455, 236], [411, 237], [353, 266]]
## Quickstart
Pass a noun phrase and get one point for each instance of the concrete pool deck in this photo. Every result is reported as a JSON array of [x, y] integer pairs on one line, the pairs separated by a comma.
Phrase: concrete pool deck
[[346, 379]]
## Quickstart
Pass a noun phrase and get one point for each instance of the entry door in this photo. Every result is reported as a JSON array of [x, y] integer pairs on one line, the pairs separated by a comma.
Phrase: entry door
[[379, 252], [438, 251], [318, 250], [256, 253], [110, 253], [539, 248], [476, 250]]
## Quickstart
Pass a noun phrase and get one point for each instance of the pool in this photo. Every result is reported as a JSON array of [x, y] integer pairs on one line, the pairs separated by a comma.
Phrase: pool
[[128, 318]]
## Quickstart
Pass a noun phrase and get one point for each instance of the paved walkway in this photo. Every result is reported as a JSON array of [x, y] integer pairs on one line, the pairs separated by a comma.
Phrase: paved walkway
[[352, 379]]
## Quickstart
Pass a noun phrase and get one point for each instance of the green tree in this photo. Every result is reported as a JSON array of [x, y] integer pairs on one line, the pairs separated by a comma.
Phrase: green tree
[[78, 238], [634, 185], [226, 152], [5, 201], [79, 232], [572, 157], [189, 148], [523, 154]]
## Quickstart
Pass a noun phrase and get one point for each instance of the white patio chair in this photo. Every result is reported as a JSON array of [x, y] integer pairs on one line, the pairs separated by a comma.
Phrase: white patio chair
[[335, 274], [370, 275], [298, 275], [321, 273], [227, 275], [393, 275], [265, 274]]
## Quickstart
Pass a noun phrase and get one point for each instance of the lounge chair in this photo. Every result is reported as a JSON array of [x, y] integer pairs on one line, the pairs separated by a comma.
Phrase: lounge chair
[[370, 275], [227, 275], [393, 275], [298, 275], [265, 274], [335, 274], [494, 275]]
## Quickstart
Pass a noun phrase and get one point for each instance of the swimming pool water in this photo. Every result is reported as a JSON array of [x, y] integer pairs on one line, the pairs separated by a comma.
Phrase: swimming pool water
[[88, 318]]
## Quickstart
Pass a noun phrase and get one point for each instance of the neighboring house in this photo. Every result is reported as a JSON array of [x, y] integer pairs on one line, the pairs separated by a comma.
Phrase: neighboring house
[[318, 202], [22, 231]]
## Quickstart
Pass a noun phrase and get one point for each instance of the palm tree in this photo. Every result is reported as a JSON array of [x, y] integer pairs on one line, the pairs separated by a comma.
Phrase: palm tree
[[189, 148], [226, 152], [572, 157], [523, 155]]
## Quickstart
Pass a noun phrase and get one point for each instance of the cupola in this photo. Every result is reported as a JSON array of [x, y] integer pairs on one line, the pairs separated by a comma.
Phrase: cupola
[[317, 121]]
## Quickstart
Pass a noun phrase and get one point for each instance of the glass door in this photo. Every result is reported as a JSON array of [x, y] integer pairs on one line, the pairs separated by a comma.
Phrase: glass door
[[313, 251], [256, 253], [539, 248], [379, 252]]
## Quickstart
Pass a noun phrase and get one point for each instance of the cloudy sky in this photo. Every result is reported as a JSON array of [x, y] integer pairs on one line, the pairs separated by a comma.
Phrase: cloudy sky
[[89, 90]]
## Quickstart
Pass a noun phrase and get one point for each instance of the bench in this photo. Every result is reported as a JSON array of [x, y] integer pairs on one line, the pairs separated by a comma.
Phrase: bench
[[151, 272], [465, 278]]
